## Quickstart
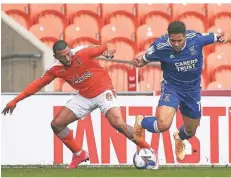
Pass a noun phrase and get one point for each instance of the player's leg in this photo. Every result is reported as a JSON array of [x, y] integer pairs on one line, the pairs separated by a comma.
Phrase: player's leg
[[166, 110], [191, 112], [108, 104], [76, 108], [59, 126], [114, 117]]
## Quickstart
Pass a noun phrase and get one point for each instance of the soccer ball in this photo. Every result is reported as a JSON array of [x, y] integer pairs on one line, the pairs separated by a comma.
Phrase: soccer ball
[[145, 159]]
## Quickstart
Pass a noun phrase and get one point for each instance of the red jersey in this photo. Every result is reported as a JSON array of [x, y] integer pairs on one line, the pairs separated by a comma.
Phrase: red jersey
[[85, 73]]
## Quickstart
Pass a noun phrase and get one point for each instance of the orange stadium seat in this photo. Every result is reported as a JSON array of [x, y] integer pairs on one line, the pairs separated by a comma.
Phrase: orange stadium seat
[[119, 76], [121, 18], [49, 41], [222, 20], [224, 48], [111, 31], [147, 43], [141, 53], [85, 16], [215, 86], [107, 9], [216, 29], [20, 7], [143, 33], [215, 60], [157, 19], [178, 9], [36, 9], [222, 74], [47, 30], [125, 48], [152, 77], [194, 21], [20, 17], [214, 9], [81, 29], [71, 9], [143, 9], [51, 17], [84, 40]]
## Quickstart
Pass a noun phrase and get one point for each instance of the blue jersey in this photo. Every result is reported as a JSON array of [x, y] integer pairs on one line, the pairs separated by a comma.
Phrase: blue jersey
[[182, 70]]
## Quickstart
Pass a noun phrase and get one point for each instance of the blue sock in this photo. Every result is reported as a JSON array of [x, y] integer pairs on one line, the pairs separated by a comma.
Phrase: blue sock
[[150, 124], [183, 135]]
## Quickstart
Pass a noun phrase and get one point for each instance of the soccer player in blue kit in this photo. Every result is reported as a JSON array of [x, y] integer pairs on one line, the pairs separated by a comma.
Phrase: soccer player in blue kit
[[180, 55]]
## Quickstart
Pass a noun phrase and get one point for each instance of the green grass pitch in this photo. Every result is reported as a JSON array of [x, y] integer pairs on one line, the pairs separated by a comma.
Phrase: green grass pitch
[[123, 171]]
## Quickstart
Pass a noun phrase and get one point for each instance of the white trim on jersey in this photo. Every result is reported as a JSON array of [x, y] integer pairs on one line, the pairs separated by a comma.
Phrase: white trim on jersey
[[56, 63], [145, 59], [161, 45], [190, 35], [215, 37], [78, 48], [184, 45]]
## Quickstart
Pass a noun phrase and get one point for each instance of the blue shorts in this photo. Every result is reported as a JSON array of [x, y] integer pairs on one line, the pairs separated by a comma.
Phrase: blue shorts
[[189, 101]]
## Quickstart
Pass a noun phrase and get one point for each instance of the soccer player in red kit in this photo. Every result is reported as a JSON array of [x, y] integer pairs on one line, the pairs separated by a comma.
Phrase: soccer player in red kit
[[79, 68]]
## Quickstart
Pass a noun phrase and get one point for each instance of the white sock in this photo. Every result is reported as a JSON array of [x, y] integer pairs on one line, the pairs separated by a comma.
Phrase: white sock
[[156, 127], [64, 133]]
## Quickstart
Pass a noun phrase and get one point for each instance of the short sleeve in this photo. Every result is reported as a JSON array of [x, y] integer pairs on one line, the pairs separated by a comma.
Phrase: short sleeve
[[152, 54], [206, 38]]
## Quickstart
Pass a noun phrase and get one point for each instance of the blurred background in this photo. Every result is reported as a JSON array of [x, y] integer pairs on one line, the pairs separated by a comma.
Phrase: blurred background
[[30, 30]]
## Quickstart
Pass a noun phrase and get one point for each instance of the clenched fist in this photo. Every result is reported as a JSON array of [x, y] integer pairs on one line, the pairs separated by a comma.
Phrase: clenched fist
[[139, 61]]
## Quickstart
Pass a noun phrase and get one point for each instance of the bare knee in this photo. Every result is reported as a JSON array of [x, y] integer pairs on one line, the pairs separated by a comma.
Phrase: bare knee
[[165, 117], [162, 125], [58, 124]]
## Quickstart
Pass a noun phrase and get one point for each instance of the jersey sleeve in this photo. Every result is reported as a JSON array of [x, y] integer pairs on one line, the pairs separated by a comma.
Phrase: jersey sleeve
[[35, 86], [206, 38], [94, 51], [151, 54], [78, 48]]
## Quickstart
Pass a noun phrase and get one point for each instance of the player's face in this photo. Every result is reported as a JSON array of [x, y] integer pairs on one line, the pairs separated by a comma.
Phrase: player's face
[[64, 56], [177, 41]]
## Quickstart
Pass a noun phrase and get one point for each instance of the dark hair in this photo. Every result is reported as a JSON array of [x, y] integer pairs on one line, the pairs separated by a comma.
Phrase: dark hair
[[176, 27], [59, 45]]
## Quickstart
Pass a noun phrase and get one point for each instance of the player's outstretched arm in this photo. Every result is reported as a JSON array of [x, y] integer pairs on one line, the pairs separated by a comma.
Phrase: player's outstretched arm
[[32, 88], [106, 49]]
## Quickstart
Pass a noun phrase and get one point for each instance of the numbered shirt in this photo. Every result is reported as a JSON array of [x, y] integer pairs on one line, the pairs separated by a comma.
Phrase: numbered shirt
[[181, 69]]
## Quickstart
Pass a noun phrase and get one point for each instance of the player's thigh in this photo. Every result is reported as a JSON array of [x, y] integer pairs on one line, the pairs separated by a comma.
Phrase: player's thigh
[[114, 117], [167, 108], [107, 100], [64, 117], [165, 115]]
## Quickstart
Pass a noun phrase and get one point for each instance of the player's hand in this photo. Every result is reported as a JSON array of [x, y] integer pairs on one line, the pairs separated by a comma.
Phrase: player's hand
[[224, 38], [9, 108], [110, 52], [139, 61]]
